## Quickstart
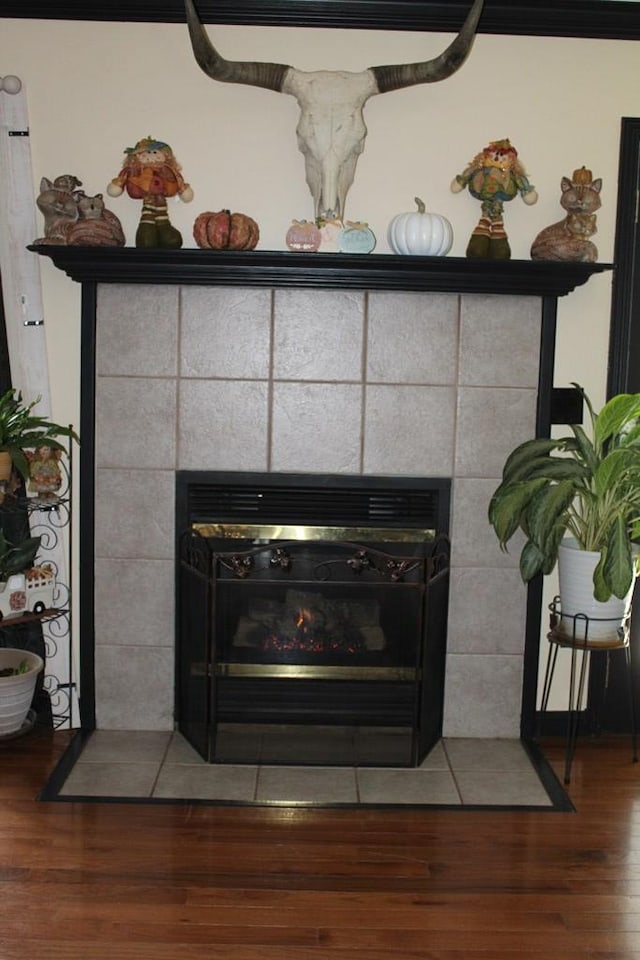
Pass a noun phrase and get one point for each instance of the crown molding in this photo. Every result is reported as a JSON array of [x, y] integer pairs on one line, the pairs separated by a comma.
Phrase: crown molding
[[601, 19]]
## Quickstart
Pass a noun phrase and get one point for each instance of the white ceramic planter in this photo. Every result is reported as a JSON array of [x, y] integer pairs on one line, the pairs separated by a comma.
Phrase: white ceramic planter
[[16, 692], [575, 571]]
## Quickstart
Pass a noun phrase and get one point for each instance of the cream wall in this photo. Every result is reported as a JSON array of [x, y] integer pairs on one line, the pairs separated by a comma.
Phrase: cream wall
[[95, 88]]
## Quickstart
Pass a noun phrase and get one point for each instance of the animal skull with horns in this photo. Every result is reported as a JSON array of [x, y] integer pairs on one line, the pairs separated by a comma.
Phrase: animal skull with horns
[[331, 130]]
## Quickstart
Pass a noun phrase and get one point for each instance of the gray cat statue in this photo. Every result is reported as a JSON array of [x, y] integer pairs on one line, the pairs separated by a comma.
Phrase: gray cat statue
[[569, 238], [73, 218]]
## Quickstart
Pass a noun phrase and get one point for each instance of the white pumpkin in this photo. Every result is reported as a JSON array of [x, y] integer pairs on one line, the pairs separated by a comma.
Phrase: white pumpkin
[[420, 233]]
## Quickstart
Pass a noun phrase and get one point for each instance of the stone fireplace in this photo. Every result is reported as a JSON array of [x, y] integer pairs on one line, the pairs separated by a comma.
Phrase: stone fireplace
[[278, 363]]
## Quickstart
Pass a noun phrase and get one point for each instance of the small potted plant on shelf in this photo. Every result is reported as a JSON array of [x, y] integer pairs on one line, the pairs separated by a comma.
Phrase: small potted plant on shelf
[[21, 429], [577, 501]]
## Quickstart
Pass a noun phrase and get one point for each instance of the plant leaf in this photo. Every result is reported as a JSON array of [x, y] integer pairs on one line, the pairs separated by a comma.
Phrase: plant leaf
[[531, 561], [518, 462], [585, 447], [622, 410], [507, 506], [618, 563], [546, 511]]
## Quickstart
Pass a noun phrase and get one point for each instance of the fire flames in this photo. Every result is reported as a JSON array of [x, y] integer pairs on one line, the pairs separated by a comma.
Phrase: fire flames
[[309, 635]]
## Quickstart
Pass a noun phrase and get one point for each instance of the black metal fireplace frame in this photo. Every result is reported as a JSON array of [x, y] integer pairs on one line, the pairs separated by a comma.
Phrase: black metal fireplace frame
[[363, 697]]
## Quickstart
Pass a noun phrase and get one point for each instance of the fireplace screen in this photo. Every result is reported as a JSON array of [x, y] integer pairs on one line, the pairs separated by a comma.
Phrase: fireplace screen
[[338, 632]]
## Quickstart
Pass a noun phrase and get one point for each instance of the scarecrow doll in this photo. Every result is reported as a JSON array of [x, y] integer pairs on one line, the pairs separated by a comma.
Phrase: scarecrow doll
[[494, 176], [151, 173]]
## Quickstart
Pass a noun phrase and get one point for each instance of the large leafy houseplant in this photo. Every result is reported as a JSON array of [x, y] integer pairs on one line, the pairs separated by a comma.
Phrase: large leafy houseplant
[[21, 429], [586, 485]]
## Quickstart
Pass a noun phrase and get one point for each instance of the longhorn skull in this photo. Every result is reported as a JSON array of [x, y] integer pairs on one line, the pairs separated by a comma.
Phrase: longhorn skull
[[331, 130]]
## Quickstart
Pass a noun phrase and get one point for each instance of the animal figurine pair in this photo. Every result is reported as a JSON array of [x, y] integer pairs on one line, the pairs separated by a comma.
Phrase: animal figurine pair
[[73, 218], [568, 239]]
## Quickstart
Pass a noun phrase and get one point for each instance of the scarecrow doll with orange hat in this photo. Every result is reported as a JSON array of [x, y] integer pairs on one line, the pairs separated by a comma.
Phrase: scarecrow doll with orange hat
[[151, 173], [494, 176]]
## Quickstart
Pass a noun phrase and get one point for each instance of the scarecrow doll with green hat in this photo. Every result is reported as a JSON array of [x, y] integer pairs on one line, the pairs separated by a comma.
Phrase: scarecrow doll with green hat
[[494, 176], [151, 173]]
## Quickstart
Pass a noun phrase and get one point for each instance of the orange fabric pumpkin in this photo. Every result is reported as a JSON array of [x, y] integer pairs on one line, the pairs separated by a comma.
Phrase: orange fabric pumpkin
[[224, 230]]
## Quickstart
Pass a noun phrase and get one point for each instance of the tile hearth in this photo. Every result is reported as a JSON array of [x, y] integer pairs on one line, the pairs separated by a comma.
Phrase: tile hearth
[[163, 766]]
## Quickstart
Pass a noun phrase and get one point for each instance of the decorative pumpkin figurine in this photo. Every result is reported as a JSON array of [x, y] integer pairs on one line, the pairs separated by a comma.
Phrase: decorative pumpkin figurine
[[330, 228], [420, 233], [303, 237], [356, 237], [494, 177], [226, 231], [151, 173]]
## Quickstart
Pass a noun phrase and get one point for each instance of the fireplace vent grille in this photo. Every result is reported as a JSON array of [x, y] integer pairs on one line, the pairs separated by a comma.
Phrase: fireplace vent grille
[[419, 503]]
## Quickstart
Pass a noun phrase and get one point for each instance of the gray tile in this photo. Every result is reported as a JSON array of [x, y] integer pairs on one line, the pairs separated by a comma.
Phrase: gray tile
[[134, 514], [412, 338], [510, 789], [223, 425], [147, 406], [134, 688], [482, 755], [316, 427], [181, 751], [487, 609], [137, 330], [407, 786], [318, 335], [307, 785], [126, 746], [111, 780], [225, 332], [500, 341], [207, 782], [436, 759], [481, 446], [145, 589], [483, 694], [409, 430]]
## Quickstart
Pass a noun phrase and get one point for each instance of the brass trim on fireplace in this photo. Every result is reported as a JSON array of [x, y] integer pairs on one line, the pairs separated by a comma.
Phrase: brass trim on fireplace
[[302, 671], [267, 532]]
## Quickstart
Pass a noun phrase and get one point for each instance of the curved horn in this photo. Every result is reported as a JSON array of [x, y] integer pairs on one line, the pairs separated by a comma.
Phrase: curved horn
[[269, 75], [396, 76]]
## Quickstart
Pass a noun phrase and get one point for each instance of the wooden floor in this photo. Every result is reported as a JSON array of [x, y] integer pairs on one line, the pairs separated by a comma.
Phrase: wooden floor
[[119, 881]]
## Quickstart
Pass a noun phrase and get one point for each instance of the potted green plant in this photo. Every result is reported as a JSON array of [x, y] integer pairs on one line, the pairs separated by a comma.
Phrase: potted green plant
[[577, 498], [21, 429], [19, 670]]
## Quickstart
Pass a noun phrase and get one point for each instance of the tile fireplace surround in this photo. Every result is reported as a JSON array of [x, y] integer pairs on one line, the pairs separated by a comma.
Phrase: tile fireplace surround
[[323, 381], [279, 378]]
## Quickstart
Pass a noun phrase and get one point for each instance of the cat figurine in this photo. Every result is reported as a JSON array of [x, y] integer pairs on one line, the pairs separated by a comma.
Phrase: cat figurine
[[73, 218], [58, 204], [96, 226], [569, 238]]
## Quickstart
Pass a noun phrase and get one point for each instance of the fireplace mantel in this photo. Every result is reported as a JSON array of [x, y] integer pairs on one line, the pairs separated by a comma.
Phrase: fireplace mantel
[[317, 270]]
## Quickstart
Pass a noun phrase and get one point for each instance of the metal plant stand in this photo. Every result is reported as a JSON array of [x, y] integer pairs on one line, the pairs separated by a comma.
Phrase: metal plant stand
[[576, 639]]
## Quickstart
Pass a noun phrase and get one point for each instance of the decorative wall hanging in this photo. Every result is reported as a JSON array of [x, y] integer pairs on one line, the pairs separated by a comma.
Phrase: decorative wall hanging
[[331, 102]]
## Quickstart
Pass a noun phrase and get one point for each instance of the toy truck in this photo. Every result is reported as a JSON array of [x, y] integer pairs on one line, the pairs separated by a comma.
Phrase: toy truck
[[30, 592]]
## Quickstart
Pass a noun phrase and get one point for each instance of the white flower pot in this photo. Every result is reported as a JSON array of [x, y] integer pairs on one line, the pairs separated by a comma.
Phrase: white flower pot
[[16, 692], [580, 610]]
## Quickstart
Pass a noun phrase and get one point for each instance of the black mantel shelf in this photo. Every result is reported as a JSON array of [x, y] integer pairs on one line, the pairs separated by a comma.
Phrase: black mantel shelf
[[257, 268]]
